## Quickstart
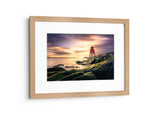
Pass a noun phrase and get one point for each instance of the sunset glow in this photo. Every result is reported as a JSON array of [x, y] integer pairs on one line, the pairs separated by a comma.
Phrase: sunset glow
[[78, 45]]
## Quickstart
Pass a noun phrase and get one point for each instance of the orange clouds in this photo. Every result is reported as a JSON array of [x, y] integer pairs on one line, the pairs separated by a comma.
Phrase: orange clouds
[[77, 45], [59, 52]]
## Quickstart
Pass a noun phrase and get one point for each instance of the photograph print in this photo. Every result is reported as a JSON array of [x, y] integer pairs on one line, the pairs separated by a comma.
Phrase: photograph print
[[74, 57]]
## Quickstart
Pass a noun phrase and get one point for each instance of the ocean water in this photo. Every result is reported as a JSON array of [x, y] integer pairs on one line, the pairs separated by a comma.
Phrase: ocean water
[[66, 61]]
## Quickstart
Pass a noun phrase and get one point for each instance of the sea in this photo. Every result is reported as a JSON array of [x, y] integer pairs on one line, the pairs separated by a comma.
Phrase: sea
[[65, 62]]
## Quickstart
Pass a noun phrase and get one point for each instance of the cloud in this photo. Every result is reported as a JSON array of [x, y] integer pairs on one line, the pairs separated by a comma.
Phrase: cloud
[[59, 50], [80, 51], [62, 53], [78, 44]]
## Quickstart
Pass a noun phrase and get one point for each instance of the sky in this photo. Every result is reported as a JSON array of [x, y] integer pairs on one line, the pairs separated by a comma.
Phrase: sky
[[78, 45]]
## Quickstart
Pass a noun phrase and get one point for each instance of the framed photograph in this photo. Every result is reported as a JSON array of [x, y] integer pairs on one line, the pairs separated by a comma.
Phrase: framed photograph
[[78, 57]]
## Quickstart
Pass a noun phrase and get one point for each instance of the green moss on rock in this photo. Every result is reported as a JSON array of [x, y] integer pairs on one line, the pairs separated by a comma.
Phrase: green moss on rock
[[86, 76], [105, 72], [55, 68], [72, 76], [59, 75], [56, 77], [98, 67], [51, 73]]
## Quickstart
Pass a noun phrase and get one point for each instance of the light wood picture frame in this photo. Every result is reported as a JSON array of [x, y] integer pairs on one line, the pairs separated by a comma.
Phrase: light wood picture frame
[[34, 19]]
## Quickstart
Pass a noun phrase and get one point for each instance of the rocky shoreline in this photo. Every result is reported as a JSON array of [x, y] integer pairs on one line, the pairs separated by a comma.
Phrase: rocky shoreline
[[97, 68]]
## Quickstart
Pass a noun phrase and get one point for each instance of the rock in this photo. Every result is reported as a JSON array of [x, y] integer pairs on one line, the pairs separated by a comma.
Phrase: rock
[[105, 72], [93, 61], [86, 76], [60, 65], [55, 68], [72, 76], [71, 66], [99, 67], [76, 66], [59, 75], [51, 73], [84, 62], [79, 62], [55, 77]]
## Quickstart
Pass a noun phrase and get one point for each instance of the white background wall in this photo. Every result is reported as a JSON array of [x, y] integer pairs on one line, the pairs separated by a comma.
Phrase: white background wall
[[144, 99]]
